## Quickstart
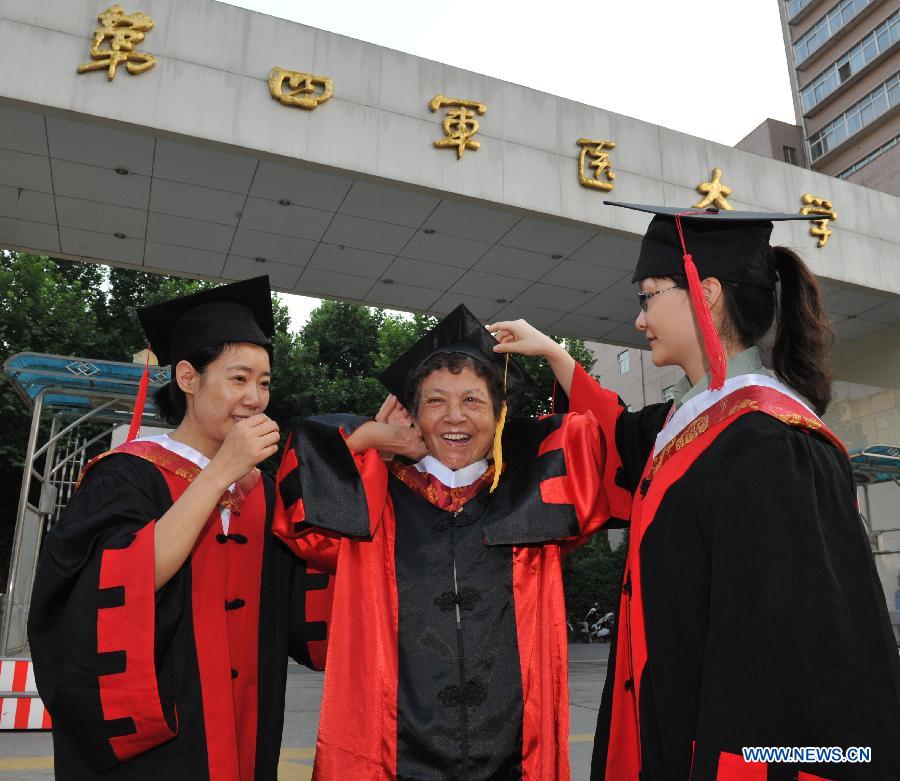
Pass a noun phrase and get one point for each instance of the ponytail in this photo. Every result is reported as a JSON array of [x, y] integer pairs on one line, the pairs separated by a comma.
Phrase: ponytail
[[803, 336]]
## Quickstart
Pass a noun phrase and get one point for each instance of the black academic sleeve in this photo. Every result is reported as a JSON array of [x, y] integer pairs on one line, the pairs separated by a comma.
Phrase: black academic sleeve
[[111, 513]]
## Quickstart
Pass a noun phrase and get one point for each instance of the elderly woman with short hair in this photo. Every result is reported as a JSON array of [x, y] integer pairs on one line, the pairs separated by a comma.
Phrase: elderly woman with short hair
[[447, 654]]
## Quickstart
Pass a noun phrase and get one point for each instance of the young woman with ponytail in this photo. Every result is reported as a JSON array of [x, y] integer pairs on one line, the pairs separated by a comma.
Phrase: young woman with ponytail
[[751, 614]]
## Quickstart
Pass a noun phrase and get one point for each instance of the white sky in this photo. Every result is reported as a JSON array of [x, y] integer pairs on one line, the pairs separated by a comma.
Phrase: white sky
[[711, 69]]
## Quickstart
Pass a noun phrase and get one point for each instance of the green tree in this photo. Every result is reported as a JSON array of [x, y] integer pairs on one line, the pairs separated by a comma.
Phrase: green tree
[[541, 397], [592, 574], [62, 308]]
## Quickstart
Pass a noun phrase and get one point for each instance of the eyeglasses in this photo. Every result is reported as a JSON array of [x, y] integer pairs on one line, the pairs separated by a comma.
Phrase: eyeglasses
[[645, 297]]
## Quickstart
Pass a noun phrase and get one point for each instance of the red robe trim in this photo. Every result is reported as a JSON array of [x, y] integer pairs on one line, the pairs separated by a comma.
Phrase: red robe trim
[[225, 638], [587, 394], [128, 627], [732, 767]]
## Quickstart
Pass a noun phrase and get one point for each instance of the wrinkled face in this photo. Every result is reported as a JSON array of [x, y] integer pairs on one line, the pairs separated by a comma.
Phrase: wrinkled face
[[234, 386], [456, 417], [669, 325]]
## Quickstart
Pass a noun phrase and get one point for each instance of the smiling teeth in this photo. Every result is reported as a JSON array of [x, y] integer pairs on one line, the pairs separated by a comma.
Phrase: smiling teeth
[[455, 437]]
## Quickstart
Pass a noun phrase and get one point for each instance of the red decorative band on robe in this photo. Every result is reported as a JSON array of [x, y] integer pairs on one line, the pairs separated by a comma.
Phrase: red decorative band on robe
[[128, 628], [434, 491], [662, 470], [733, 767], [167, 461], [751, 398]]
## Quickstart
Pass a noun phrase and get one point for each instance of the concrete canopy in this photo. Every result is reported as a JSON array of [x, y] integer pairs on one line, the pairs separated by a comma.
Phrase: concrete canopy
[[193, 169]]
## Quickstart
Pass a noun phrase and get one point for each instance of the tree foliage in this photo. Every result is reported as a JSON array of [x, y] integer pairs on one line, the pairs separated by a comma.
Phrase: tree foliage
[[593, 575]]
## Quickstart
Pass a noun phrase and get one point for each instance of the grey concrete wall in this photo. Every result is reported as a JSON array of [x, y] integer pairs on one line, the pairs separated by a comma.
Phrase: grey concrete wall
[[770, 137]]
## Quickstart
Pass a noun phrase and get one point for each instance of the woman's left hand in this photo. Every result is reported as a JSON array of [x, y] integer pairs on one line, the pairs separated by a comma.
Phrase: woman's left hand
[[393, 412]]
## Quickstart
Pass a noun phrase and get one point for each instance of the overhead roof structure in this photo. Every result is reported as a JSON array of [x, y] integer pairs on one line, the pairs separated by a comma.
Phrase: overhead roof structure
[[192, 168], [79, 385]]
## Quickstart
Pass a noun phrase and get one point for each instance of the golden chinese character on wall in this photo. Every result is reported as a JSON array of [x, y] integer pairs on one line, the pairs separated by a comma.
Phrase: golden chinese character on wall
[[459, 123], [304, 90], [716, 194], [603, 177], [821, 207], [122, 32]]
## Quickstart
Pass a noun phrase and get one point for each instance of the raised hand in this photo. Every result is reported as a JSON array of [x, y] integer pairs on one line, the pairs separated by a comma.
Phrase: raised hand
[[519, 336], [392, 439], [393, 412], [249, 442]]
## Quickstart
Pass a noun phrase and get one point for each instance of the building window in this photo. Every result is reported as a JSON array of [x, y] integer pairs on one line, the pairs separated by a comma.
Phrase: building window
[[622, 358], [873, 155], [790, 155], [878, 102], [794, 7], [669, 393], [873, 45], [817, 35]]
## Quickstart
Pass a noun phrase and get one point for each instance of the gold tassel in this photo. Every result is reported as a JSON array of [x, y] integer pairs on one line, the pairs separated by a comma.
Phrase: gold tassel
[[498, 434]]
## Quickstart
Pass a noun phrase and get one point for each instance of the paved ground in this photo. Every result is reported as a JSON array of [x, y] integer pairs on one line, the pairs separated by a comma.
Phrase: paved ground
[[27, 756]]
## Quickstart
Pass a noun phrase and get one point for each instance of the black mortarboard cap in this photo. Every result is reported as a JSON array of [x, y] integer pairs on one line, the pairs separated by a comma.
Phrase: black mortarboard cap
[[729, 245], [458, 332], [239, 312], [732, 246]]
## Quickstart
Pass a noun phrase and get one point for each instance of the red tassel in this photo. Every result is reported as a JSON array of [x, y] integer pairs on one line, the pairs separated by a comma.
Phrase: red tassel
[[139, 402], [715, 353]]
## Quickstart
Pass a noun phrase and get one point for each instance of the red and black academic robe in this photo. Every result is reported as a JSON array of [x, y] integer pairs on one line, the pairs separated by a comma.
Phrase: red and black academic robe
[[447, 655], [184, 683], [751, 613]]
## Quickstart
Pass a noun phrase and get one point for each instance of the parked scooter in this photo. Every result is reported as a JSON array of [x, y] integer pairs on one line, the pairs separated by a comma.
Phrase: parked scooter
[[596, 628]]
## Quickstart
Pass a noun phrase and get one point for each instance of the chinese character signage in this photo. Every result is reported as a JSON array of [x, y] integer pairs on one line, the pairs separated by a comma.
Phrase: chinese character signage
[[121, 33], [821, 207], [459, 123], [304, 90]]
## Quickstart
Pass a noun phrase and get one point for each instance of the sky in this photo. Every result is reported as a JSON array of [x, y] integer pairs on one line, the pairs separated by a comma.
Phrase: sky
[[714, 70]]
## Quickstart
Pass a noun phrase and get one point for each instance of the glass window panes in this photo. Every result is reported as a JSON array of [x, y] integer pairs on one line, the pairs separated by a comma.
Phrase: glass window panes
[[622, 358], [794, 7], [867, 110], [826, 27], [668, 394], [870, 47]]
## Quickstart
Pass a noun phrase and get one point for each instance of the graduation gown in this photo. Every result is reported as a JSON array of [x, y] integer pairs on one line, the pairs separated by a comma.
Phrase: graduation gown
[[751, 613], [187, 682], [447, 654]]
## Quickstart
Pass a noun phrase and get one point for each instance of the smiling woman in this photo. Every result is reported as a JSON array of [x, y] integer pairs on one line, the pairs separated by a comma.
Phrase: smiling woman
[[456, 403]]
